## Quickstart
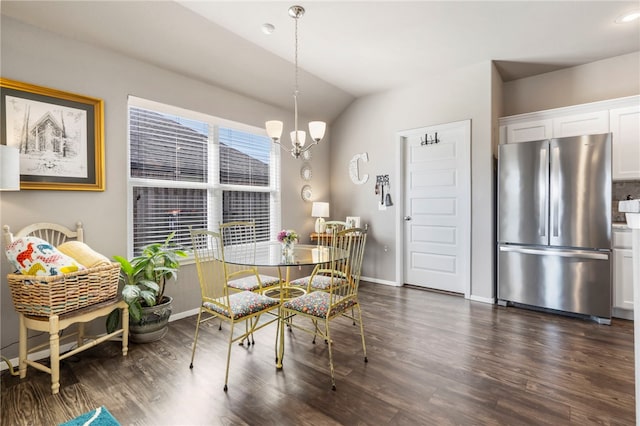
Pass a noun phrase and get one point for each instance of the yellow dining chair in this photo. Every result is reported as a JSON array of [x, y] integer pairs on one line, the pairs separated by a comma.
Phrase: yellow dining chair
[[320, 277], [219, 300], [331, 226], [240, 237], [340, 298]]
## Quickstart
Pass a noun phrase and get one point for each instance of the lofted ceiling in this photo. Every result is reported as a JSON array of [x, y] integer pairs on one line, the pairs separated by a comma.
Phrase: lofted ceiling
[[347, 49]]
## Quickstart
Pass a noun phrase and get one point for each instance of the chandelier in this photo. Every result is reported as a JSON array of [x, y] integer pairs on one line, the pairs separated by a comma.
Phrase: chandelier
[[316, 128]]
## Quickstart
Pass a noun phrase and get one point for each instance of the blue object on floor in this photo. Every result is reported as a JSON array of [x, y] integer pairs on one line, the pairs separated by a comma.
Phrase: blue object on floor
[[98, 417]]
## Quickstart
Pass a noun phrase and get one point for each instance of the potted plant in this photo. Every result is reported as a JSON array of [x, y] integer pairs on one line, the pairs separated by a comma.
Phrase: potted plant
[[144, 278]]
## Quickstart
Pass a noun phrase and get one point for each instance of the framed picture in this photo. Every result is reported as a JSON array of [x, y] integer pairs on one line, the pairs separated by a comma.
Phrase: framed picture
[[353, 221], [59, 135]]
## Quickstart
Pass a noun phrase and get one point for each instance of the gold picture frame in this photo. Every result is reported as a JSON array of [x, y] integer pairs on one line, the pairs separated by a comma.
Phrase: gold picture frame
[[60, 136]]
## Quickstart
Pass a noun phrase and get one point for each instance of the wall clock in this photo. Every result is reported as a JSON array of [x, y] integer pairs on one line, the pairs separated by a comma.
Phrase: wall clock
[[306, 193], [305, 172]]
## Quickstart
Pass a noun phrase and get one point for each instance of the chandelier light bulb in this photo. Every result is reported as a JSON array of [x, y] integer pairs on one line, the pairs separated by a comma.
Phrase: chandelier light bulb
[[317, 129], [301, 139], [274, 129]]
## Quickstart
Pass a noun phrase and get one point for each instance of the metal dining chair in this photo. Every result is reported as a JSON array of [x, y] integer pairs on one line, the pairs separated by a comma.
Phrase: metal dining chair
[[340, 298], [240, 237], [221, 301]]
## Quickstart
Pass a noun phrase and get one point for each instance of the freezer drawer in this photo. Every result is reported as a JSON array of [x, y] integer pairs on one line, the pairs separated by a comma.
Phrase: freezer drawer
[[575, 281]]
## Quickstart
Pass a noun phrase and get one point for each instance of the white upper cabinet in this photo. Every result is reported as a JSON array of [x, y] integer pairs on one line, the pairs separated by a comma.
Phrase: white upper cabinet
[[620, 116], [625, 127], [529, 131], [590, 123]]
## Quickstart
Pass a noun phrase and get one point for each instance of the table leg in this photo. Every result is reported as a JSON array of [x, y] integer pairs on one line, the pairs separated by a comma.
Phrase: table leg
[[281, 320]]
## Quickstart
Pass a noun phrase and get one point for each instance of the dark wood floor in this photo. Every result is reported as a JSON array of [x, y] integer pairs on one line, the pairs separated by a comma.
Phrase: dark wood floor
[[433, 359]]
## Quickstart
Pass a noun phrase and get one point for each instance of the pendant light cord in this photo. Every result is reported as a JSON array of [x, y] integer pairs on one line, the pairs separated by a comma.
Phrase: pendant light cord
[[295, 91]]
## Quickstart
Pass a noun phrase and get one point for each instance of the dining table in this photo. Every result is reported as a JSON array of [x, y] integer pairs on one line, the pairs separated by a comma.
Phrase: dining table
[[272, 254]]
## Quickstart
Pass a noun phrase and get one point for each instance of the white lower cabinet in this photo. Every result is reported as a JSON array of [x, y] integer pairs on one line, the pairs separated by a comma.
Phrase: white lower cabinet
[[622, 279], [622, 274]]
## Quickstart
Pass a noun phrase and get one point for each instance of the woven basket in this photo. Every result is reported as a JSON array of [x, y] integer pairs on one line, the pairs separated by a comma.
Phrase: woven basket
[[57, 294]]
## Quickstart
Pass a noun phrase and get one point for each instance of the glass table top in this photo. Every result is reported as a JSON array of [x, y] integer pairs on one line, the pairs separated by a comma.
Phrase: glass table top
[[270, 254]]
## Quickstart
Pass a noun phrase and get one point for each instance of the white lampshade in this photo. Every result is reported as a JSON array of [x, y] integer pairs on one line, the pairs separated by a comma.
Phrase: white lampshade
[[274, 128], [320, 209], [302, 137], [9, 168], [317, 129]]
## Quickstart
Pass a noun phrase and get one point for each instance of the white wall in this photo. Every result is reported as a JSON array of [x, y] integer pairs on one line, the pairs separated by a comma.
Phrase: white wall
[[615, 77], [371, 124], [37, 57]]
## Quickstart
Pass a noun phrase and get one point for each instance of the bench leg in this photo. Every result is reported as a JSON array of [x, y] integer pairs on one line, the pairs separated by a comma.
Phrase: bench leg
[[22, 347], [54, 347], [125, 330]]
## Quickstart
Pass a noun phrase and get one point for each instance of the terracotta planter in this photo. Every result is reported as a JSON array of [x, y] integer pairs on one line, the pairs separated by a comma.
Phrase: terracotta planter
[[153, 324]]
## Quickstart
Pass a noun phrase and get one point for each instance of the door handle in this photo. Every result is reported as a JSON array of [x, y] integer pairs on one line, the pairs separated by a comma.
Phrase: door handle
[[407, 218]]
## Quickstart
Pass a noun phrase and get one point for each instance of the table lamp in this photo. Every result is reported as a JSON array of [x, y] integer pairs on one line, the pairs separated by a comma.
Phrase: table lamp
[[9, 168], [320, 210]]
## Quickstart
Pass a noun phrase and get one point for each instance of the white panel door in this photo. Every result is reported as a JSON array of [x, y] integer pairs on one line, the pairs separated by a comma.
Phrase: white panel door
[[437, 212]]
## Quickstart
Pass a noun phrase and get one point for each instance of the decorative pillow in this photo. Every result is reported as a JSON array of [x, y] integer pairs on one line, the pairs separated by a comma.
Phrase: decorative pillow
[[35, 256], [83, 254]]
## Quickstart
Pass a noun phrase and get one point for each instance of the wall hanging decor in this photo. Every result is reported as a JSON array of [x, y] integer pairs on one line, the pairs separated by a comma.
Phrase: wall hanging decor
[[354, 172], [428, 139], [59, 136], [306, 193], [305, 172], [383, 188]]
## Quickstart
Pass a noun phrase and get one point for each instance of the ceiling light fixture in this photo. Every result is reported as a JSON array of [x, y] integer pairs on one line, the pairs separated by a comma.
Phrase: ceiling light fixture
[[628, 17], [316, 128]]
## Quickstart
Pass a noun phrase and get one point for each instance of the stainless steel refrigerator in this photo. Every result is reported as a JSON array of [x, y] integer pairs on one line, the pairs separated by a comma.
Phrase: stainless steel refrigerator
[[554, 225]]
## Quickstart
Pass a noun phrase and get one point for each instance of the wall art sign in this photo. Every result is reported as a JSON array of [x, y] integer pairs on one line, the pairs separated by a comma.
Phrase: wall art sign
[[59, 136], [354, 172]]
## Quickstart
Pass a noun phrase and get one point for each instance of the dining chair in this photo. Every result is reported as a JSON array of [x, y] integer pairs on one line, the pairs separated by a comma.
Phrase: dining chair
[[340, 298], [239, 237], [331, 226], [320, 277], [219, 300]]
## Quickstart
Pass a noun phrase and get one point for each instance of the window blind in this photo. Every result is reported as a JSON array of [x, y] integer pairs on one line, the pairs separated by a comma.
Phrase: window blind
[[188, 169]]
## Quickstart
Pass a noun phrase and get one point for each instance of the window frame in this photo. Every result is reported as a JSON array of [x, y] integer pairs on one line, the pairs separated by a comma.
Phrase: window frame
[[213, 186]]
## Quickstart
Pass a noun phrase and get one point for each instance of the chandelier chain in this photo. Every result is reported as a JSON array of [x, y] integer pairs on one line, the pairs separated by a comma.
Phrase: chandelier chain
[[295, 89]]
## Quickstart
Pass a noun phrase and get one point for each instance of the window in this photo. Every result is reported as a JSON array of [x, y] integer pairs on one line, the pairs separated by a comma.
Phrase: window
[[190, 169]]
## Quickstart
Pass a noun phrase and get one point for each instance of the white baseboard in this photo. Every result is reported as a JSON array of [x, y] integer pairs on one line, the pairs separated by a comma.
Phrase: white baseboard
[[36, 356], [45, 353], [490, 300], [185, 314], [379, 281]]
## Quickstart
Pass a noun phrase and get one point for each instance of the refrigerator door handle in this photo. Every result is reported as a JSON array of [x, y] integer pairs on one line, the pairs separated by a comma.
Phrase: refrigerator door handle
[[555, 182], [559, 253], [543, 186]]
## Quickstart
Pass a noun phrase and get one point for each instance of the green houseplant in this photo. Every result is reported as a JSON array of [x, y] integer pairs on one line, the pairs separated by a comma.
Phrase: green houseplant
[[144, 278]]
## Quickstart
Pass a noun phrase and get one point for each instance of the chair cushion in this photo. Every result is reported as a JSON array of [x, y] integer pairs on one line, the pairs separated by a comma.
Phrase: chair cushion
[[243, 304], [34, 256], [320, 282], [250, 282], [317, 304]]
